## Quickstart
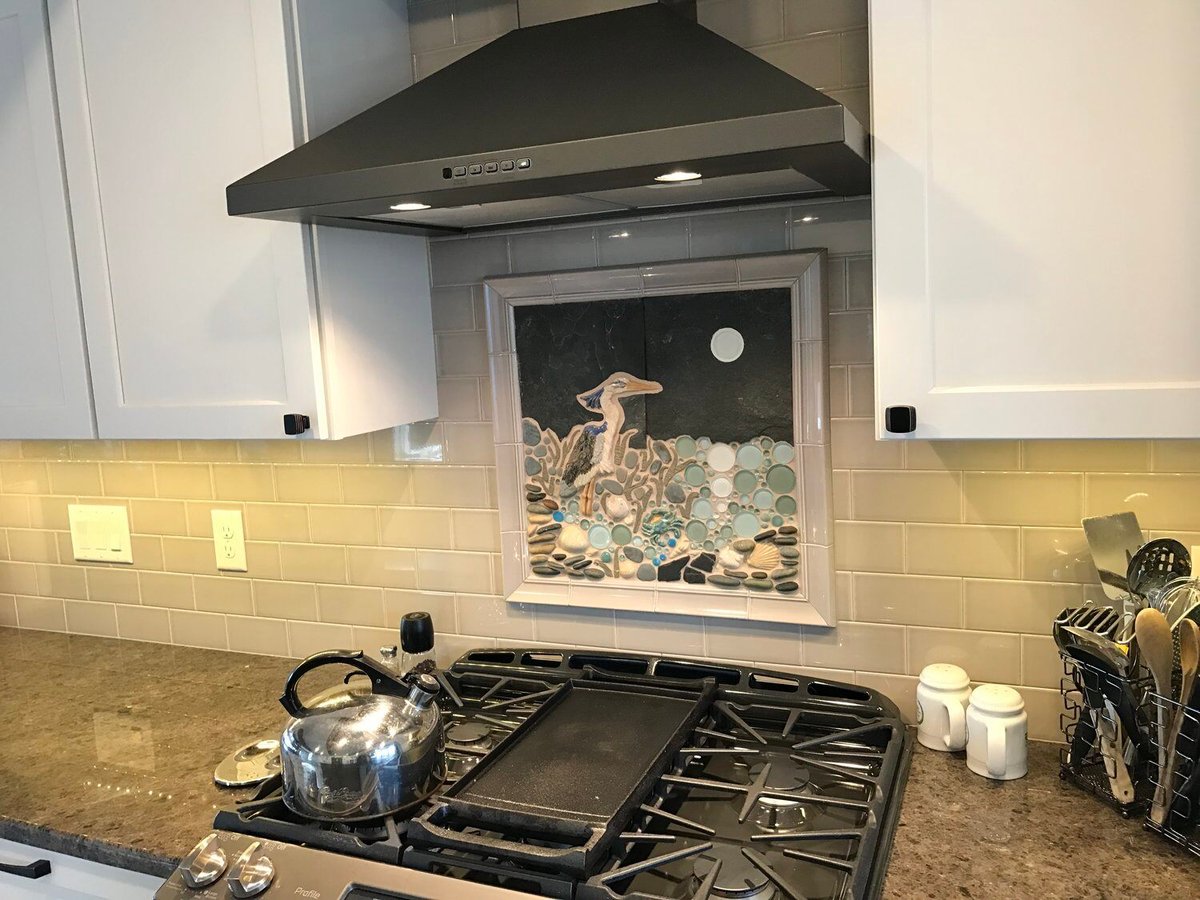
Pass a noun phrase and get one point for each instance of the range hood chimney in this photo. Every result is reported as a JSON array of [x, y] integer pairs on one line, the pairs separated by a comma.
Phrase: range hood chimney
[[629, 111]]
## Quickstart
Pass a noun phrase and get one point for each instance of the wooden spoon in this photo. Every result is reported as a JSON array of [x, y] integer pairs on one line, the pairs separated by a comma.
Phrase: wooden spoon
[[1189, 661], [1158, 651]]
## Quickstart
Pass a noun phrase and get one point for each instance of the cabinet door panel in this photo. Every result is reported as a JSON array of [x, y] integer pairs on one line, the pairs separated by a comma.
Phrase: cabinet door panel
[[199, 325], [44, 391], [70, 878], [1035, 217]]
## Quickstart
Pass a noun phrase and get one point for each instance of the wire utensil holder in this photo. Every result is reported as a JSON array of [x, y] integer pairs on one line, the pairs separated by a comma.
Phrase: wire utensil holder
[[1181, 819], [1091, 763]]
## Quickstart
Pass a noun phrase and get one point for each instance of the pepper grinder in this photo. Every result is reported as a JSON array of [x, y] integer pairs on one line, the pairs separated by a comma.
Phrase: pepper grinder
[[416, 640]]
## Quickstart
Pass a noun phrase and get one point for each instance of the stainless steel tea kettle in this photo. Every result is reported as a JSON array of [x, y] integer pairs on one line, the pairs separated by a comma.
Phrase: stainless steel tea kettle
[[360, 756]]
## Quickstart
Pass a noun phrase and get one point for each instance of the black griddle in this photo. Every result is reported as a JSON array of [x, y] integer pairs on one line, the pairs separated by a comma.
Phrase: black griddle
[[571, 775]]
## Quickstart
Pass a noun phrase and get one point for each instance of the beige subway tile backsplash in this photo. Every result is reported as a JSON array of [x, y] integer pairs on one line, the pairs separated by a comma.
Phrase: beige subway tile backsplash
[[1016, 498], [907, 496], [954, 551], [986, 551], [987, 656]]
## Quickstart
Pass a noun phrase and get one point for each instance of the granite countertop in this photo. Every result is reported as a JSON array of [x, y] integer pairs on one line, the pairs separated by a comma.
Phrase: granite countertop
[[109, 747]]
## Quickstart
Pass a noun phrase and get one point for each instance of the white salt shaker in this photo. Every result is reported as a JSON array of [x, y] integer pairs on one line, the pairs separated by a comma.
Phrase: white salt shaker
[[941, 707], [996, 733]]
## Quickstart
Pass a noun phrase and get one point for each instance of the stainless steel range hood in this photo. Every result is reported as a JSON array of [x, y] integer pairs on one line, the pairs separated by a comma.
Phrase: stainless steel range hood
[[572, 119]]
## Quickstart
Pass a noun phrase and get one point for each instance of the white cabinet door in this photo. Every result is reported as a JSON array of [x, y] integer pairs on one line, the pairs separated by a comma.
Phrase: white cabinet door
[[70, 878], [199, 325], [44, 390], [1037, 217]]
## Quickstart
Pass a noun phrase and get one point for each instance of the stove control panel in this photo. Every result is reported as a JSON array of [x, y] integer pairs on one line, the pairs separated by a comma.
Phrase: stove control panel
[[268, 869]]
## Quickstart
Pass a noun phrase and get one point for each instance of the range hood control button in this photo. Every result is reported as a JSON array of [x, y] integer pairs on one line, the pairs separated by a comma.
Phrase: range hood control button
[[507, 165], [490, 167], [204, 864], [251, 874], [476, 169], [523, 163], [460, 171]]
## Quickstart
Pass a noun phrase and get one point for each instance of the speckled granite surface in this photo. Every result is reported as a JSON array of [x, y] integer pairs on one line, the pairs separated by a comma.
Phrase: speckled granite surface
[[107, 747], [107, 750], [962, 836]]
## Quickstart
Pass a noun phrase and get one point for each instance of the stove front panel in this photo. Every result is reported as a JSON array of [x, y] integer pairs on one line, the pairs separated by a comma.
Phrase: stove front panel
[[304, 874]]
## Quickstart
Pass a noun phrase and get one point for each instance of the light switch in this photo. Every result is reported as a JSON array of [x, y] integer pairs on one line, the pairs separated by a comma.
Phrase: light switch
[[229, 540], [100, 533]]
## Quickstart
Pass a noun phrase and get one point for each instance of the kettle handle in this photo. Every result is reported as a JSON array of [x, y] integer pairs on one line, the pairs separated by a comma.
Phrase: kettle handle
[[382, 679]]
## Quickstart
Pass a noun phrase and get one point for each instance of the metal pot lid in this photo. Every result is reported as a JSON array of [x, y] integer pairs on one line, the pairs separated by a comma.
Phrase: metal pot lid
[[249, 765]]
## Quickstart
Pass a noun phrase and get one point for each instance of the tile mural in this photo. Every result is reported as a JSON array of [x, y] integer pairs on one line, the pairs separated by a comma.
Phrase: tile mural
[[658, 439]]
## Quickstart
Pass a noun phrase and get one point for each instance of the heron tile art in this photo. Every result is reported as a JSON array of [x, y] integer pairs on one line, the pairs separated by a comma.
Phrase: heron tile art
[[658, 440]]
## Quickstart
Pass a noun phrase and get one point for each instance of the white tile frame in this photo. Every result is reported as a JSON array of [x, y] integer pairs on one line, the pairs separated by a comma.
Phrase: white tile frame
[[803, 273]]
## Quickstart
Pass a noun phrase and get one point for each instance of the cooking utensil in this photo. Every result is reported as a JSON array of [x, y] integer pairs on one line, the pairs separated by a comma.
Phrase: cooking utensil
[[1101, 646], [1157, 650], [1189, 660], [1113, 748], [1113, 716], [354, 757], [1155, 564], [1185, 807], [1180, 600], [252, 764], [1113, 541]]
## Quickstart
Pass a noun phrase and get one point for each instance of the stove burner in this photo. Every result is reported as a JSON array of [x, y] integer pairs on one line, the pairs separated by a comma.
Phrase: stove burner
[[777, 813], [469, 734], [737, 878]]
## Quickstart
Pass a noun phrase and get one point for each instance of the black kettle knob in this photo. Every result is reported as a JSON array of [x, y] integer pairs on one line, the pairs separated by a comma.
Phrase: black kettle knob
[[416, 632]]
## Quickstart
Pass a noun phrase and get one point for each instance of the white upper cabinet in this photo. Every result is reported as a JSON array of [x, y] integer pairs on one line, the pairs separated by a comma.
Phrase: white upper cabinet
[[200, 325], [44, 390], [1037, 217]]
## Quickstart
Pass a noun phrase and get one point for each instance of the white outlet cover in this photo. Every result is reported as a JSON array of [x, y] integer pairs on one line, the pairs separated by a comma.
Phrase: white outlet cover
[[100, 533], [229, 540]]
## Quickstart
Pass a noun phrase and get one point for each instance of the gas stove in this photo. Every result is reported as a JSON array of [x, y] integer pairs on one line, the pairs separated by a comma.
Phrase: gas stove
[[603, 776]]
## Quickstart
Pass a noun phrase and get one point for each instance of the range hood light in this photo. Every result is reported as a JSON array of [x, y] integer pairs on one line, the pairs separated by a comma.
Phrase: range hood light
[[807, 219], [409, 207], [677, 175]]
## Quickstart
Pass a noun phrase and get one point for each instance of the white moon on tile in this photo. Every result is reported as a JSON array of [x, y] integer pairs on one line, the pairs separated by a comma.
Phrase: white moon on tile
[[727, 344]]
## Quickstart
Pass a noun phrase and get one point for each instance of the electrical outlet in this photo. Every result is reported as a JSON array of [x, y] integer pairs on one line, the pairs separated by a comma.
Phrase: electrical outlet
[[229, 540], [100, 533]]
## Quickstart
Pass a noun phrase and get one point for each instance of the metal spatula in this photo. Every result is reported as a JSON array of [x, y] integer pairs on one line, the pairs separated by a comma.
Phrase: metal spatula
[[1113, 540]]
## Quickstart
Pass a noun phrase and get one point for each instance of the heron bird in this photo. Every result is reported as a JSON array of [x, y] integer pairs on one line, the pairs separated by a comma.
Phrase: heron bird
[[595, 452]]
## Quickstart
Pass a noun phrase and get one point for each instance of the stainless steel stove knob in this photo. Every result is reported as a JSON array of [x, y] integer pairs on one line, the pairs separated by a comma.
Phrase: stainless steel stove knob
[[251, 874], [204, 864]]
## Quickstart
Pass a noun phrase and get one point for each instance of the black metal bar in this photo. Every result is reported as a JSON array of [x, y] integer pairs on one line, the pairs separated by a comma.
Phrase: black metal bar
[[716, 751], [835, 835], [654, 862], [448, 688], [835, 769], [815, 799], [760, 863], [831, 862], [677, 819], [756, 790], [643, 837], [841, 736], [524, 698], [793, 717], [704, 892], [726, 710], [719, 735], [705, 783]]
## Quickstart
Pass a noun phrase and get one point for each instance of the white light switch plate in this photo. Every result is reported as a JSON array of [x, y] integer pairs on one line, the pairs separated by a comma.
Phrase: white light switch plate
[[100, 533], [229, 539]]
